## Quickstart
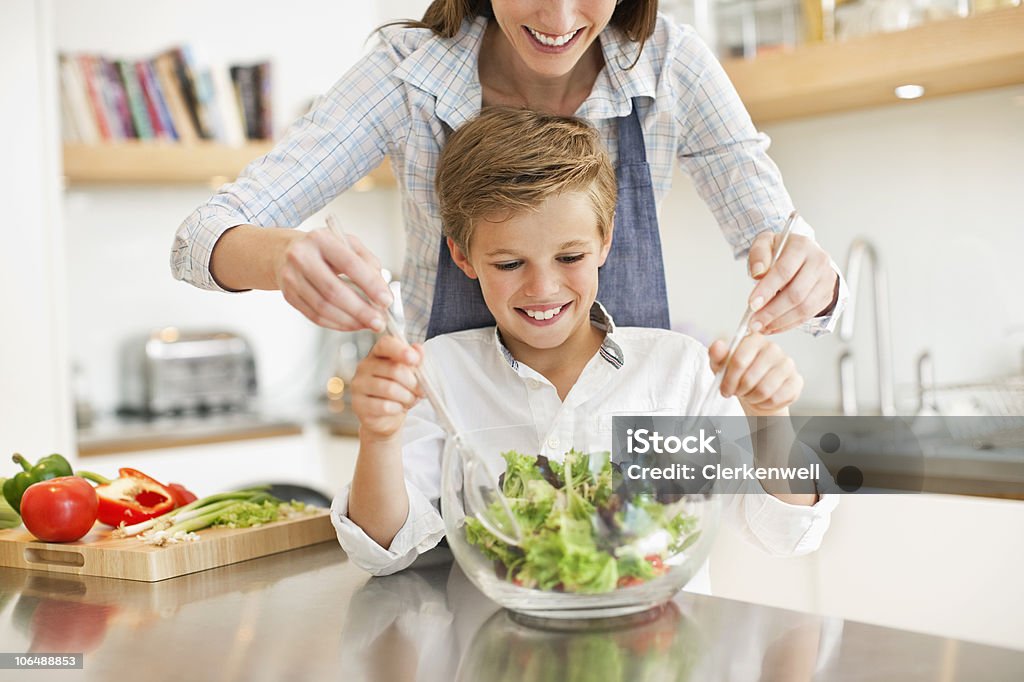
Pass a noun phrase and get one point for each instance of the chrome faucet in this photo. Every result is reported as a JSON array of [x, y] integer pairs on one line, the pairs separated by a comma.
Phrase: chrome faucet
[[859, 249]]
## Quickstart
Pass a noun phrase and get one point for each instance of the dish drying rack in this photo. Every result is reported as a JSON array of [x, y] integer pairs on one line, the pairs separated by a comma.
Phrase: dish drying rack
[[995, 410]]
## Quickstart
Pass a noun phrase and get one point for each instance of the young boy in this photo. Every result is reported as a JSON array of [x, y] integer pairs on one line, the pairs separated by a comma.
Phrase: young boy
[[528, 201]]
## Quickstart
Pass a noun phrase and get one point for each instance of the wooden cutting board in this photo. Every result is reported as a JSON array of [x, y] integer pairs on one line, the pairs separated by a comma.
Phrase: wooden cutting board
[[129, 558]]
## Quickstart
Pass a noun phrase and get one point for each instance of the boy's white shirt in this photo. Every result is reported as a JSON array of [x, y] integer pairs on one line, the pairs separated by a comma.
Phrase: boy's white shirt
[[637, 371]]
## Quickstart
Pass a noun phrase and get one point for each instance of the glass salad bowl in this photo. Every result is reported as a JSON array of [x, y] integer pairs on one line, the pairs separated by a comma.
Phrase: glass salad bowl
[[557, 533]]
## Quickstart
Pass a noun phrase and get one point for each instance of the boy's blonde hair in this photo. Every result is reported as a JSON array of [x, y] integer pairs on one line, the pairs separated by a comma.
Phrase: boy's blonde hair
[[510, 160]]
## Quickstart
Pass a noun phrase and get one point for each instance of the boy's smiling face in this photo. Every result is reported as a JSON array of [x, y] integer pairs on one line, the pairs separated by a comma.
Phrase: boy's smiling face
[[538, 272]]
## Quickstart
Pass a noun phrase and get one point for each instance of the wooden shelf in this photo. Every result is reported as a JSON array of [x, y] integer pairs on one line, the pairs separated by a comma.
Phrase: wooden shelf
[[148, 163], [945, 57]]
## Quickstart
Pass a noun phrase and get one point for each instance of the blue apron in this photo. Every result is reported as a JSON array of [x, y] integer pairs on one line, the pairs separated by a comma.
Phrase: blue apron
[[631, 283]]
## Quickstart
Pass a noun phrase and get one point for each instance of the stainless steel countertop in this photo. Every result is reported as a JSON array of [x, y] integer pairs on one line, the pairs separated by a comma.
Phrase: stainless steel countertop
[[309, 614]]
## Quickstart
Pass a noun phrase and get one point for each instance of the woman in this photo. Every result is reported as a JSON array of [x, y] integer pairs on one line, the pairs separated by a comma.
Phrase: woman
[[652, 89]]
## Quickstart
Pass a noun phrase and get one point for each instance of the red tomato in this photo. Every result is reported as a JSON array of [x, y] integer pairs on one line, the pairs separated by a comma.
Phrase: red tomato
[[60, 509], [181, 494], [629, 581], [656, 563]]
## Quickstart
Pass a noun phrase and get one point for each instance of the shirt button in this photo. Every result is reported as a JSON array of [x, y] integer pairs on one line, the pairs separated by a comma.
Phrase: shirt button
[[533, 383], [553, 442]]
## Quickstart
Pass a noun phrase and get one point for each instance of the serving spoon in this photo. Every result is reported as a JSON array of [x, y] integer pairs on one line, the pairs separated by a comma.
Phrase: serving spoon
[[510, 532]]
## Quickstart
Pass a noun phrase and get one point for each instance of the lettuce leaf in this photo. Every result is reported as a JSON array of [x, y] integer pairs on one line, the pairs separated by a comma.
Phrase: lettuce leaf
[[575, 525]]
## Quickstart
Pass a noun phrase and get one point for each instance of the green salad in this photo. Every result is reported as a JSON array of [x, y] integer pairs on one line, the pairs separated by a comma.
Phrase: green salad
[[582, 531]]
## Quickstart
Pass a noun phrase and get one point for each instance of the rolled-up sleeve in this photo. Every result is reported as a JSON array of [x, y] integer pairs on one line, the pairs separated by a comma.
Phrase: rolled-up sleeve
[[422, 530], [784, 529], [422, 448], [342, 138], [727, 159]]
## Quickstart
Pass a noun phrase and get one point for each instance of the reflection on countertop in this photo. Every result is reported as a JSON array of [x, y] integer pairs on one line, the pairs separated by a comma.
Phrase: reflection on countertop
[[114, 433], [310, 614]]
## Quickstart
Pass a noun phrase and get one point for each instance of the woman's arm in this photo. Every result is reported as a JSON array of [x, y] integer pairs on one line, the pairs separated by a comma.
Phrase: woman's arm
[[727, 158], [305, 267], [345, 136]]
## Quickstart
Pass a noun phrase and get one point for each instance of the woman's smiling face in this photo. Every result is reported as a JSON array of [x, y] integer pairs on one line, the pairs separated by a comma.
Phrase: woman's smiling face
[[538, 271], [551, 36]]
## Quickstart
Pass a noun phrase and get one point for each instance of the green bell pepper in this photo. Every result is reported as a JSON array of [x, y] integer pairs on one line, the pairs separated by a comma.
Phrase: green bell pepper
[[51, 466], [8, 517]]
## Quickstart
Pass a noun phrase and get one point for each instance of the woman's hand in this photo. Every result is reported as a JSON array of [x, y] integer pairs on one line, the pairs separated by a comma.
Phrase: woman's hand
[[762, 376], [384, 388], [307, 272], [801, 284]]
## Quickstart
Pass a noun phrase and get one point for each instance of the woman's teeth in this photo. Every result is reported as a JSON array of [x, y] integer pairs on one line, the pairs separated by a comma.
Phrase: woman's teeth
[[544, 314], [552, 41]]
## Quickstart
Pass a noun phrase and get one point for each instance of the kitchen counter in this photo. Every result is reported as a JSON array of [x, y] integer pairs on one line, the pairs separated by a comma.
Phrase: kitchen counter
[[113, 435], [309, 614]]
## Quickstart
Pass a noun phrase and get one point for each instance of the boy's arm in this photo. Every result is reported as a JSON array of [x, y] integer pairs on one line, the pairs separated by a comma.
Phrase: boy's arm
[[766, 382], [383, 390], [378, 502]]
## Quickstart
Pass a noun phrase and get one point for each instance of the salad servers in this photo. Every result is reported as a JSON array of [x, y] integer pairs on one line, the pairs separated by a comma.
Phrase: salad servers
[[507, 529], [744, 327]]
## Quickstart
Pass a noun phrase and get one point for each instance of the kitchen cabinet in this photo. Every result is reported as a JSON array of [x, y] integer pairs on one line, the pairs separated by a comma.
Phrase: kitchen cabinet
[[941, 564], [944, 57]]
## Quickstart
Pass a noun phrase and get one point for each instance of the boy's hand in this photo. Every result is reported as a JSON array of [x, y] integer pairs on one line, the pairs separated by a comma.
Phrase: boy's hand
[[763, 377], [385, 388]]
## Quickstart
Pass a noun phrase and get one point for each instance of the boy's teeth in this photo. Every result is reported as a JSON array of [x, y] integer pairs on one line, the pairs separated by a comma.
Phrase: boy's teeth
[[543, 314], [552, 42]]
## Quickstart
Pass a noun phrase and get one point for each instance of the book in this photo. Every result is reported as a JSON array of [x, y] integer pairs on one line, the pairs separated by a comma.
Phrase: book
[[232, 130], [94, 96], [156, 105], [174, 96], [73, 93], [200, 98], [166, 70], [68, 126], [136, 100], [266, 110], [118, 116], [246, 87]]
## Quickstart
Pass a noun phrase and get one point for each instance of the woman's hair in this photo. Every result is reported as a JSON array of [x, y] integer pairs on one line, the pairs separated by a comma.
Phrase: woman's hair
[[635, 18], [507, 161]]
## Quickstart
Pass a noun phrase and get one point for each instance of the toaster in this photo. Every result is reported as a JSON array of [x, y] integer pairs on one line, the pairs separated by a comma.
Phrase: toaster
[[173, 371]]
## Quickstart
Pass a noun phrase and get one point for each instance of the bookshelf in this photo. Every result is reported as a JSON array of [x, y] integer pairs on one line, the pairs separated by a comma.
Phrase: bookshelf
[[945, 57], [150, 163]]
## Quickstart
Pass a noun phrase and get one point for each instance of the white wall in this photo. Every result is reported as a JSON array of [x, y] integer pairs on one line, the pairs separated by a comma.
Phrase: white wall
[[936, 186], [120, 282], [35, 411]]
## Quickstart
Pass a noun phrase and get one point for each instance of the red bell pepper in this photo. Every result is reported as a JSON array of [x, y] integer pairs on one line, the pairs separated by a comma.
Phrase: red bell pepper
[[132, 498], [182, 495]]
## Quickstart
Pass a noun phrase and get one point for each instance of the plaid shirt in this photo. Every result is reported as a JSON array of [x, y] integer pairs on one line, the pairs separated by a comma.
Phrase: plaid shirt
[[403, 98]]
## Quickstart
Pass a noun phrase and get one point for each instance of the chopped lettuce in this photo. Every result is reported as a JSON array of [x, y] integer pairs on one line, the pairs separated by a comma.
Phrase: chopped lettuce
[[579, 535]]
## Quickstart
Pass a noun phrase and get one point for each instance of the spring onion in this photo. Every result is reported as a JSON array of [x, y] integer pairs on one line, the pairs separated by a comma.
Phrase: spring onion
[[237, 509]]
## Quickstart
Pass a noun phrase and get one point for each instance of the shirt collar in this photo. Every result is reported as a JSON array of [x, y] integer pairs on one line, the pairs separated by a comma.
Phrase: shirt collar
[[617, 84], [600, 318], [447, 69]]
